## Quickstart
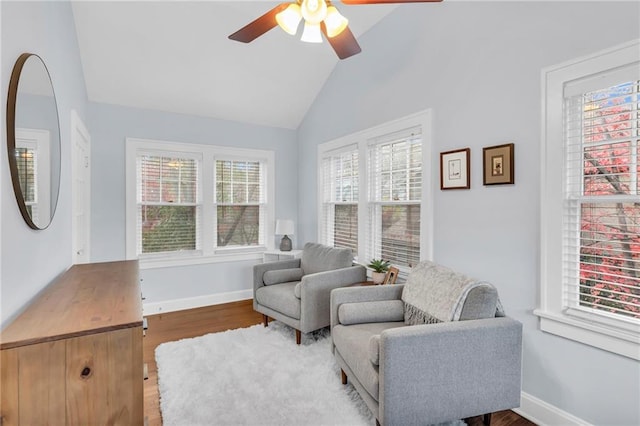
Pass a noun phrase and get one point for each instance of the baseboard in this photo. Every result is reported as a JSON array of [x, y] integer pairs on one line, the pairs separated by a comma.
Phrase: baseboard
[[545, 414], [195, 302]]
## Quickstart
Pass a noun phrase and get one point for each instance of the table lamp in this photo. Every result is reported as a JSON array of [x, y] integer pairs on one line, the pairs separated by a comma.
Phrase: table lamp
[[284, 227]]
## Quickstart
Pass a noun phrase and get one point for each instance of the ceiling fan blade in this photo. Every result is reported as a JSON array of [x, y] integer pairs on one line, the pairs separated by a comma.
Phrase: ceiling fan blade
[[387, 1], [344, 44], [255, 29]]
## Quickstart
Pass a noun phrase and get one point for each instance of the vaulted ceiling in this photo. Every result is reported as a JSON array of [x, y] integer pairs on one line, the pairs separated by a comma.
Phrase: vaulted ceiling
[[175, 56]]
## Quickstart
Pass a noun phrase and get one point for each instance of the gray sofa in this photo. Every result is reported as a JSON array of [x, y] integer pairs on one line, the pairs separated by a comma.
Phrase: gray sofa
[[297, 291], [460, 360]]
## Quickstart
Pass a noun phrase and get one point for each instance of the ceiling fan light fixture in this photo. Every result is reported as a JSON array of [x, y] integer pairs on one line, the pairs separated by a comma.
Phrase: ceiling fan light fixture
[[314, 11], [311, 33], [289, 19], [335, 23]]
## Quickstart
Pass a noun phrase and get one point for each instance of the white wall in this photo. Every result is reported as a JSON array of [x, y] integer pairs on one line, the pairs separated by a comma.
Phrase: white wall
[[32, 259], [478, 66], [110, 125]]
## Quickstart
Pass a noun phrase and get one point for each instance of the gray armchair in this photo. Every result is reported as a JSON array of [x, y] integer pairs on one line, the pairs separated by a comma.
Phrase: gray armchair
[[297, 291], [463, 363]]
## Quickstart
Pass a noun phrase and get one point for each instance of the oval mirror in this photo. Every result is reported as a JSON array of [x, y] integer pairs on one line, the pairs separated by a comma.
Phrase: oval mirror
[[33, 140]]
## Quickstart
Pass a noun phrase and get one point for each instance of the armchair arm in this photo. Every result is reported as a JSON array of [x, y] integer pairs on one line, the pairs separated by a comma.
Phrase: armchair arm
[[260, 268], [362, 294], [315, 292], [437, 372]]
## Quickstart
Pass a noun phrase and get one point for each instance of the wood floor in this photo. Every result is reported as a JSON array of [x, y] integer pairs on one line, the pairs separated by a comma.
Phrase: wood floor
[[197, 322]]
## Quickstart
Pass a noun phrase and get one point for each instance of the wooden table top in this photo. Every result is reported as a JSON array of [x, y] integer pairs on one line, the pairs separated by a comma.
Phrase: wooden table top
[[86, 299]]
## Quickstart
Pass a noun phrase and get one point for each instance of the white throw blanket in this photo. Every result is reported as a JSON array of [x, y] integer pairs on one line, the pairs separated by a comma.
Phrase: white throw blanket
[[434, 293]]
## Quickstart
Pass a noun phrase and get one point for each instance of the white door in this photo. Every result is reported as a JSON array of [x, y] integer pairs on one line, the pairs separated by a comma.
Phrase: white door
[[81, 188]]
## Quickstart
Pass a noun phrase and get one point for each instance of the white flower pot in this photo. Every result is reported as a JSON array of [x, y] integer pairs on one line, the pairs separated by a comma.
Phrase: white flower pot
[[378, 277]]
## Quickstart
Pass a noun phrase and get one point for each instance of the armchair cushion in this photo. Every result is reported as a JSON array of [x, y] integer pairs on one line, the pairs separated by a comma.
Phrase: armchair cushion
[[280, 297], [297, 290], [374, 349], [320, 258], [353, 341], [278, 276], [375, 311]]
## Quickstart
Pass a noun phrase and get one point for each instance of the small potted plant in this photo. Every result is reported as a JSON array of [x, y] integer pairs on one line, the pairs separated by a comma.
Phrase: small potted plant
[[380, 268]]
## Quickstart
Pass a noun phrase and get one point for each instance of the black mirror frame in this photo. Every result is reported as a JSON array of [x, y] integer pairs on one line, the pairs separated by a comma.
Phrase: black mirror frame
[[11, 138]]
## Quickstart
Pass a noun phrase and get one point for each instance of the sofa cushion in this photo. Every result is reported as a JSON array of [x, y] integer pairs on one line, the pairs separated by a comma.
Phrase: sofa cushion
[[352, 342], [373, 311], [281, 298], [320, 258], [277, 276]]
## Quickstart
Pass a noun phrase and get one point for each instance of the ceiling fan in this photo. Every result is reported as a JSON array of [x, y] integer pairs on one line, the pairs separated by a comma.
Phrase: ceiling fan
[[320, 17]]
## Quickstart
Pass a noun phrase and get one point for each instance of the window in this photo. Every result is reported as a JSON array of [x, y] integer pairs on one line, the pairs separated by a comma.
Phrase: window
[[395, 195], [191, 203], [239, 203], [591, 201], [376, 206], [340, 199], [26, 162], [168, 203], [33, 163]]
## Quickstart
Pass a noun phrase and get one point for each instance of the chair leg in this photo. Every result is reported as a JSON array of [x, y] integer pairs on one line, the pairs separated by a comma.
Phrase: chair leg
[[486, 419], [265, 320], [343, 375], [298, 337]]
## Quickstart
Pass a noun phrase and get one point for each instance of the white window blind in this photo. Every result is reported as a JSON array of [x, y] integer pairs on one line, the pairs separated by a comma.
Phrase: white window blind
[[168, 203], [395, 193], [601, 225], [26, 160], [340, 199], [240, 203]]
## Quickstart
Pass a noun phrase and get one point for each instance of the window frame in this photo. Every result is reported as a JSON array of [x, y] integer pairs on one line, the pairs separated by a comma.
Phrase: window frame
[[556, 316], [208, 252], [262, 205], [362, 140], [377, 201], [328, 203], [197, 203]]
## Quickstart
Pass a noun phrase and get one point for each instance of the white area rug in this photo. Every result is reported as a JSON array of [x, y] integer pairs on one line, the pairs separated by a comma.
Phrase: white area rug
[[255, 376]]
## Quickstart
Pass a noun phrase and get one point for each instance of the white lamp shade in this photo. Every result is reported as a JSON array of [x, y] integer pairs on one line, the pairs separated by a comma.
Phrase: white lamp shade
[[289, 19], [311, 33], [335, 22], [284, 227]]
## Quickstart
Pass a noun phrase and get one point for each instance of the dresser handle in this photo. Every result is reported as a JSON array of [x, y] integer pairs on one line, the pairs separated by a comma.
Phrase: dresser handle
[[86, 372]]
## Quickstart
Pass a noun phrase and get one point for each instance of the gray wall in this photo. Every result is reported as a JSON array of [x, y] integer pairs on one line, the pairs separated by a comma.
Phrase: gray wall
[[110, 125], [32, 259], [478, 65]]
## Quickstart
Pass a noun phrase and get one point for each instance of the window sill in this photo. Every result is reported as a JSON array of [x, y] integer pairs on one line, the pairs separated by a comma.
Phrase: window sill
[[611, 339], [169, 262]]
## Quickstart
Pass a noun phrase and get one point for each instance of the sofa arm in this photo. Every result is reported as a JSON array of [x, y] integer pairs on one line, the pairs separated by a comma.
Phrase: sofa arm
[[315, 293], [439, 372], [373, 293], [260, 268]]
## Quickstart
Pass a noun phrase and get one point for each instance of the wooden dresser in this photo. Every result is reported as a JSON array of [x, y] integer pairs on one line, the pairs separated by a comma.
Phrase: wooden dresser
[[74, 356]]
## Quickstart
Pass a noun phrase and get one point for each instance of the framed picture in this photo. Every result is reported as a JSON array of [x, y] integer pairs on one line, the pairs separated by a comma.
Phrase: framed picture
[[498, 165], [455, 170], [392, 275]]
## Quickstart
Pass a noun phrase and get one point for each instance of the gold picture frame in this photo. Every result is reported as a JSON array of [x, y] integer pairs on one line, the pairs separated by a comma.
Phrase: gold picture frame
[[498, 165]]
